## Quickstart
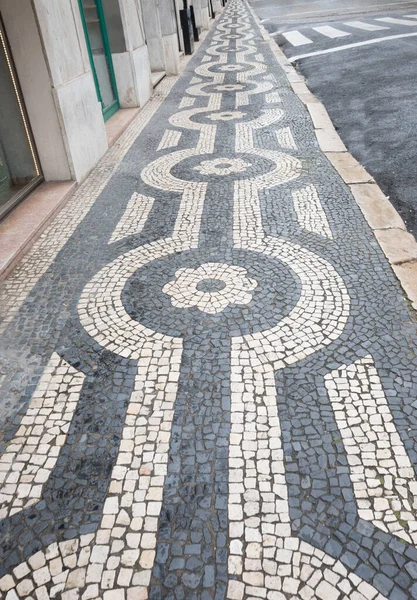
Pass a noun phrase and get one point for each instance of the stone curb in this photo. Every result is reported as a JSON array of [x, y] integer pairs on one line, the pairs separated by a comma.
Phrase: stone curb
[[399, 246]]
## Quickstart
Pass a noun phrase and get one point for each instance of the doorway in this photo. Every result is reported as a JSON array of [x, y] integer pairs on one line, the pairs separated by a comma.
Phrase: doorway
[[98, 46], [19, 165]]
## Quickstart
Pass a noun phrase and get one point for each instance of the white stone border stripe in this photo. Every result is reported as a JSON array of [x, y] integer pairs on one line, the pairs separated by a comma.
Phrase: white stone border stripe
[[244, 131], [188, 222], [285, 138], [125, 543], [186, 102], [101, 310], [130, 515], [383, 478], [315, 321], [170, 139], [273, 98], [242, 98], [134, 218], [309, 211], [247, 217], [29, 458], [265, 560]]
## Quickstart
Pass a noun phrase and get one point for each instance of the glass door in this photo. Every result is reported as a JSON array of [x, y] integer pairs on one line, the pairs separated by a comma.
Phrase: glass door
[[100, 56], [19, 166]]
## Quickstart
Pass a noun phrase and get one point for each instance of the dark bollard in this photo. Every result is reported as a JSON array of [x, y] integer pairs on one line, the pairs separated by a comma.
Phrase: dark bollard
[[194, 24], [187, 29]]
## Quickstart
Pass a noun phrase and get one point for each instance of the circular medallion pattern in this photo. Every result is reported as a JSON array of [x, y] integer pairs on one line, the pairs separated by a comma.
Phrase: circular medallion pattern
[[222, 166], [227, 115], [190, 293]]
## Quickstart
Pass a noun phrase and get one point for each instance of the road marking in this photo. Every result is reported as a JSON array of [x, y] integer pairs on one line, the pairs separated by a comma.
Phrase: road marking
[[365, 26], [330, 32], [411, 16], [296, 38], [344, 11], [396, 21], [349, 46]]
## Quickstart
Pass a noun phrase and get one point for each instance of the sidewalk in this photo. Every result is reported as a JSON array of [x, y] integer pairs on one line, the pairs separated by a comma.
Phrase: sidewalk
[[209, 366]]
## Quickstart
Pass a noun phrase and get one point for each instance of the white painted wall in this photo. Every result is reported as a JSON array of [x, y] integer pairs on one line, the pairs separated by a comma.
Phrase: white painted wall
[[153, 33], [133, 77], [197, 12], [172, 55], [132, 68], [167, 18], [217, 6], [78, 109], [160, 24], [130, 11], [205, 14], [82, 123]]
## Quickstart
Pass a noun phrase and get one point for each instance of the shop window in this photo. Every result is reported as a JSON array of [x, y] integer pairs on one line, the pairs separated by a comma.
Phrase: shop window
[[19, 165]]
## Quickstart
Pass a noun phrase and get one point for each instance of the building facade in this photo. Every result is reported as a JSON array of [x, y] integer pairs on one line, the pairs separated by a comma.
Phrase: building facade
[[66, 67]]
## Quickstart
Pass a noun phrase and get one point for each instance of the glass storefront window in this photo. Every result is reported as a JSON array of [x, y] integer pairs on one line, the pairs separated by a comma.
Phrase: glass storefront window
[[19, 167]]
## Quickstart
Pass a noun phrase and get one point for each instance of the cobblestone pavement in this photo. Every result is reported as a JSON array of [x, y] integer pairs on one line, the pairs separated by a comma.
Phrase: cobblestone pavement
[[210, 371]]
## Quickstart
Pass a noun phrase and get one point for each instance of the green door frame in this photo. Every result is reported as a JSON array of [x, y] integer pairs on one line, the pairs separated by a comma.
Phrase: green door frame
[[115, 105]]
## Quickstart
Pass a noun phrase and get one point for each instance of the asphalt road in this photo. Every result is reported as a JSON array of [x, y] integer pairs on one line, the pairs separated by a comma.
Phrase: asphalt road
[[369, 90]]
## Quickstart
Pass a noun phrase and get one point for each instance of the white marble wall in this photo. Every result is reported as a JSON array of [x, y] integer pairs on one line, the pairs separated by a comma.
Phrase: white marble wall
[[169, 32], [206, 13], [132, 67], [72, 84]]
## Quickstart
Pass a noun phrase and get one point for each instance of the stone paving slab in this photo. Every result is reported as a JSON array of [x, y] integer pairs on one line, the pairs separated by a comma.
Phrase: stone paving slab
[[210, 383], [378, 210]]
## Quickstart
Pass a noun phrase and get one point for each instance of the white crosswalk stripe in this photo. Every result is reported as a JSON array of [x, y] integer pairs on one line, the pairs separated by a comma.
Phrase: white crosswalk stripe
[[330, 32], [377, 40], [296, 38], [395, 21], [365, 26]]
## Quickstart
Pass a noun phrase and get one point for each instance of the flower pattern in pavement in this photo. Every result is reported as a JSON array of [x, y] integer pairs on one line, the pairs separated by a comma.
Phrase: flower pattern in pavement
[[231, 68], [229, 87], [222, 166], [227, 115], [210, 288]]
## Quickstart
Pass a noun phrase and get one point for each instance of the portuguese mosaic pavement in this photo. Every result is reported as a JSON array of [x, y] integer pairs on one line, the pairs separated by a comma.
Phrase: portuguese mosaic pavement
[[211, 389]]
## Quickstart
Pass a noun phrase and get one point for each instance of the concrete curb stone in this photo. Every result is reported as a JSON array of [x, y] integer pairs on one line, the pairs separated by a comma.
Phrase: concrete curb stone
[[398, 245], [378, 210]]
